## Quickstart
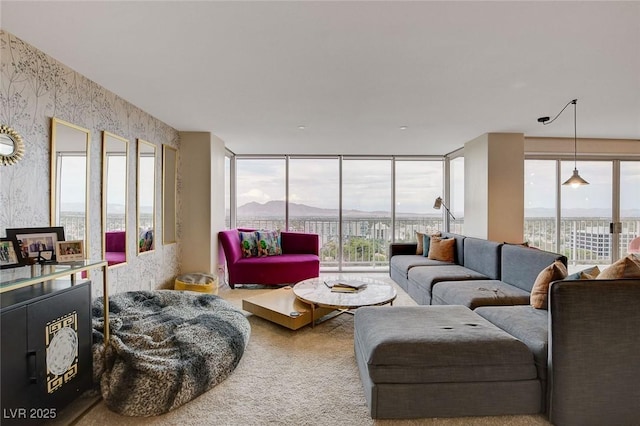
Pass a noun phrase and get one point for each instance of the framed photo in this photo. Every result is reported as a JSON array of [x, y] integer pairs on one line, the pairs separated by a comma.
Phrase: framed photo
[[33, 241], [70, 251], [9, 253]]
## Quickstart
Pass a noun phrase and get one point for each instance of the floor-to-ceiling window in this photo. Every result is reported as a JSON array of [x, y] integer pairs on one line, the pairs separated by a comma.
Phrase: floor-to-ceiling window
[[629, 206], [585, 227], [586, 214], [260, 193], [456, 194], [314, 203], [366, 212], [348, 201], [418, 182], [227, 191], [540, 204]]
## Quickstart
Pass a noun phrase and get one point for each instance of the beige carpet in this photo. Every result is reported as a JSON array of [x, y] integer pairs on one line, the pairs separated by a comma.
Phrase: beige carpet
[[304, 377]]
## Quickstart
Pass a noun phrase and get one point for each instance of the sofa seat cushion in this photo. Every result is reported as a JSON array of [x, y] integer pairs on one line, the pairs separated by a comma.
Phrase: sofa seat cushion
[[115, 257], [404, 262], [422, 279], [527, 324], [283, 269], [437, 344], [475, 293]]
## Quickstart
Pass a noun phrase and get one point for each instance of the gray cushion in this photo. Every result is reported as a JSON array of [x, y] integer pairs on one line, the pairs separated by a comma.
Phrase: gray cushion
[[434, 344], [404, 262], [527, 324], [521, 265], [483, 256], [475, 293], [422, 278]]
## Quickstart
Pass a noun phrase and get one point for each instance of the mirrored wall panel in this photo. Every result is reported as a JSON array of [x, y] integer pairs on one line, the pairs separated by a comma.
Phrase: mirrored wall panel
[[146, 186], [114, 198], [169, 172], [69, 177]]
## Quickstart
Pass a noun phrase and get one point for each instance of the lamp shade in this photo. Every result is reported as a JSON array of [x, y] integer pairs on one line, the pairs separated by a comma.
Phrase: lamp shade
[[438, 203], [575, 180]]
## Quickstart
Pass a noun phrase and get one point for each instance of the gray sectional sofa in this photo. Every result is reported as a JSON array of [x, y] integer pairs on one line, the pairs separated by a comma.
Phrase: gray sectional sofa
[[477, 347]]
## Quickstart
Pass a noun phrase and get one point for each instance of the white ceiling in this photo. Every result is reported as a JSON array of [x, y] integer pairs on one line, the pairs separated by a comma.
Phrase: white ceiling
[[353, 72]]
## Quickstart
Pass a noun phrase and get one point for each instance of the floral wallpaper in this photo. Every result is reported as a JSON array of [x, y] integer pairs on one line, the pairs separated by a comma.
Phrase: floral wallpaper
[[34, 88]]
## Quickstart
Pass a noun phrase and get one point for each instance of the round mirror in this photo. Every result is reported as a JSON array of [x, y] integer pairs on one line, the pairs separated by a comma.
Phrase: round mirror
[[11, 146]]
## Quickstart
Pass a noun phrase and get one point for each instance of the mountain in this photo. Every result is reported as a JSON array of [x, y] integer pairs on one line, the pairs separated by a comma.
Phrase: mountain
[[276, 209]]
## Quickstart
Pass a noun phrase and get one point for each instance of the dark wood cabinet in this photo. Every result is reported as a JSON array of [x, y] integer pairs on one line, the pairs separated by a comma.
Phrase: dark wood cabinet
[[46, 361]]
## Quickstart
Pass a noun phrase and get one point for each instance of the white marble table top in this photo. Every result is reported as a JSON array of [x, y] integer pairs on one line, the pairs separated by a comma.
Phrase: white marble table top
[[315, 291]]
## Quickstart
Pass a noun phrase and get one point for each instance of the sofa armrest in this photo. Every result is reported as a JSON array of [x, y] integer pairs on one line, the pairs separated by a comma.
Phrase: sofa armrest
[[299, 243], [230, 241], [593, 352], [402, 248]]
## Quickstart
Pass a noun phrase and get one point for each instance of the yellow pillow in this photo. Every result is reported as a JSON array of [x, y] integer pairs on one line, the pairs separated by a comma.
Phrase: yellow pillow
[[554, 272], [442, 249], [627, 267]]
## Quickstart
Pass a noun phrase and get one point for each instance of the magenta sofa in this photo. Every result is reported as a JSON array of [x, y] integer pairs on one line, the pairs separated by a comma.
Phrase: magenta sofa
[[115, 247], [299, 260]]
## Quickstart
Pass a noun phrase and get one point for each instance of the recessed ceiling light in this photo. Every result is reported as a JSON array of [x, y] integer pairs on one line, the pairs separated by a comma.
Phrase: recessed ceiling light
[[302, 127], [404, 127]]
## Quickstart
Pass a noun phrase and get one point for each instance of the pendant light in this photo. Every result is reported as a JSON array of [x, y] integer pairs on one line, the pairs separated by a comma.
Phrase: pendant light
[[575, 180]]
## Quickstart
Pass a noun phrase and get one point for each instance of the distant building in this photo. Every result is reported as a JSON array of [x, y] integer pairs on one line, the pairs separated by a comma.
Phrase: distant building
[[597, 241]]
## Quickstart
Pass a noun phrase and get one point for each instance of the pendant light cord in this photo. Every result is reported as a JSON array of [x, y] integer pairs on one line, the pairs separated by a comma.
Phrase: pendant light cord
[[575, 134], [545, 121]]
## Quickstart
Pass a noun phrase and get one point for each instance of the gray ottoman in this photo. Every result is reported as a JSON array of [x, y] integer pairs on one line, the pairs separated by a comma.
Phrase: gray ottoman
[[441, 361]]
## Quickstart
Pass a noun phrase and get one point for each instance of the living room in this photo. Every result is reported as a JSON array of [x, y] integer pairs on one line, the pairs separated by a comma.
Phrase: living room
[[358, 104]]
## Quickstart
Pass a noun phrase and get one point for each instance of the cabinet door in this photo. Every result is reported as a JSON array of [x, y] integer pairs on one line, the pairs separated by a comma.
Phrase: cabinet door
[[59, 331], [16, 365]]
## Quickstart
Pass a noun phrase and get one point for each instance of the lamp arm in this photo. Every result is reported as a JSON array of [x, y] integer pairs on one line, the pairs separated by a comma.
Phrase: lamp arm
[[448, 211]]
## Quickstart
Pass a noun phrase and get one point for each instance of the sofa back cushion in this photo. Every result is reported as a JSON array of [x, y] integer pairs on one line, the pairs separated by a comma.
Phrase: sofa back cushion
[[115, 241], [459, 250], [521, 265], [483, 256]]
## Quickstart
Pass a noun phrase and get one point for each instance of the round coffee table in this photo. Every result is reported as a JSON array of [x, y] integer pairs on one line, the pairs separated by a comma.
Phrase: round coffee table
[[317, 294]]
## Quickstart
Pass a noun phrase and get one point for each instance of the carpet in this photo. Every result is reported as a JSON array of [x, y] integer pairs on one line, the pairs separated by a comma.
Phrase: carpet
[[303, 377]]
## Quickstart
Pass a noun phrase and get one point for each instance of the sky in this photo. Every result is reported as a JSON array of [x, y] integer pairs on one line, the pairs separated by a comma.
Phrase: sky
[[367, 187], [367, 183]]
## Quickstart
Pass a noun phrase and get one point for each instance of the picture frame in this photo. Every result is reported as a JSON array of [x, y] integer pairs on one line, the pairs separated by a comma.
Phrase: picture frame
[[10, 255], [33, 241], [70, 251]]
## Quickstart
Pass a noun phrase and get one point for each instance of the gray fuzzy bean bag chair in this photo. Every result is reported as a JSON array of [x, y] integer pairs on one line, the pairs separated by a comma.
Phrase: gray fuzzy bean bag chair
[[166, 348]]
